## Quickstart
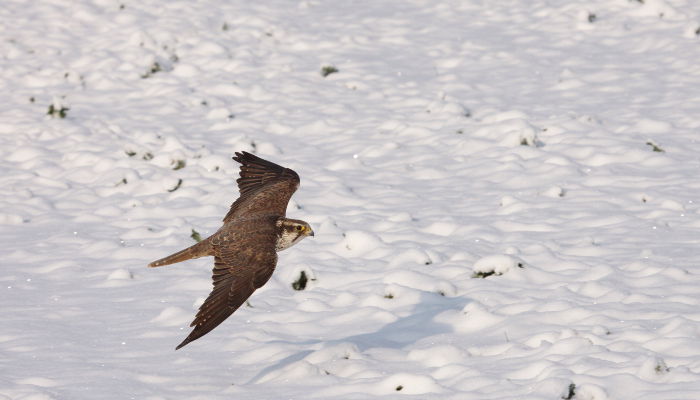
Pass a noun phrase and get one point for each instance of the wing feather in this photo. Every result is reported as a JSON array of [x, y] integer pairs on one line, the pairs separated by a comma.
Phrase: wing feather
[[240, 268], [265, 187]]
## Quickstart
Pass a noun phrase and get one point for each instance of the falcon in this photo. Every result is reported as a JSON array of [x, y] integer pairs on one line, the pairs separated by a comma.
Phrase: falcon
[[245, 247]]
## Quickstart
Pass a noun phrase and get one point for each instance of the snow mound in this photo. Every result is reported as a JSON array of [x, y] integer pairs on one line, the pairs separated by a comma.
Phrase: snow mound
[[496, 265]]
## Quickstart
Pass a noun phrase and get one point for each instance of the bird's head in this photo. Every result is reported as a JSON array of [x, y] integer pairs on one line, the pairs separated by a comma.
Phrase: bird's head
[[291, 232]]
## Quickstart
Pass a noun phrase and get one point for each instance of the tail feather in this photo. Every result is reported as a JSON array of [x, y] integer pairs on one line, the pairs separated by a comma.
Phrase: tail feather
[[200, 249]]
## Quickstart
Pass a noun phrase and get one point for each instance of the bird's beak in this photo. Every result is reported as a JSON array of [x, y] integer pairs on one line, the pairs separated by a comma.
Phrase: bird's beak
[[309, 232]]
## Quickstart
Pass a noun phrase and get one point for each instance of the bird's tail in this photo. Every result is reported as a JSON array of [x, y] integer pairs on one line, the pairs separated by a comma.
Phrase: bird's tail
[[200, 249]]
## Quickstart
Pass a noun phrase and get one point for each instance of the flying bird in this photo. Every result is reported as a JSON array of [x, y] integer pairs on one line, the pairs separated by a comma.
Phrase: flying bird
[[245, 247]]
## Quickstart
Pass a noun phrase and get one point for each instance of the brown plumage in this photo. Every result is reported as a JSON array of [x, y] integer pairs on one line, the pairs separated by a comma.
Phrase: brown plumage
[[245, 247]]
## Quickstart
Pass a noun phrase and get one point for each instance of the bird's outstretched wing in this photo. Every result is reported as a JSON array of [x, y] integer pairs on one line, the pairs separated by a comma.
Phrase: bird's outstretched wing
[[240, 267], [265, 187]]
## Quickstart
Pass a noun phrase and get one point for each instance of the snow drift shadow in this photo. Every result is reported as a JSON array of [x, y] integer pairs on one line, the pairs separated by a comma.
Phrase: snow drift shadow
[[417, 325], [405, 331]]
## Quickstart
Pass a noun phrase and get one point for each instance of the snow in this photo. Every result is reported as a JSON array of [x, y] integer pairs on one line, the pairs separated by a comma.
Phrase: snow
[[504, 197], [497, 264]]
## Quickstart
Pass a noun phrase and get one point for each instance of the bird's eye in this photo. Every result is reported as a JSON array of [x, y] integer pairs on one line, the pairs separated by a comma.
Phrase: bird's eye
[[298, 227]]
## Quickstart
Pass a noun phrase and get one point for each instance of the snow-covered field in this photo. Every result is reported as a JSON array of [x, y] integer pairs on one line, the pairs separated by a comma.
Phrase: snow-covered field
[[505, 196]]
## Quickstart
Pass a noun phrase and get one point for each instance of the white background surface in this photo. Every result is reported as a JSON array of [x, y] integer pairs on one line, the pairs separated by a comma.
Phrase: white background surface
[[458, 137]]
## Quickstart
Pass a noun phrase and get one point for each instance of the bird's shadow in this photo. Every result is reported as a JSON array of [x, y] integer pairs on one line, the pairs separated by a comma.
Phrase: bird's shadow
[[403, 332]]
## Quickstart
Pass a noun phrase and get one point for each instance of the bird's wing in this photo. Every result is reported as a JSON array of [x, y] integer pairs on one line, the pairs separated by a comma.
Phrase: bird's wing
[[265, 187], [240, 267]]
